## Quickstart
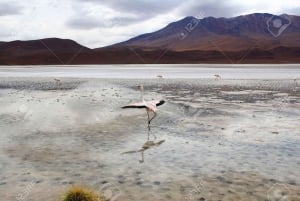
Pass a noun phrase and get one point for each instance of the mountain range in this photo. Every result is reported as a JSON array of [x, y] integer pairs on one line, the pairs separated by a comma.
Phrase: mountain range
[[254, 38]]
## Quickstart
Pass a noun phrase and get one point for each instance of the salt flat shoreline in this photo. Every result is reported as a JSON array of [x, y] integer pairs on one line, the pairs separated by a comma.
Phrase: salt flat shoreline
[[48, 83], [153, 71], [232, 139]]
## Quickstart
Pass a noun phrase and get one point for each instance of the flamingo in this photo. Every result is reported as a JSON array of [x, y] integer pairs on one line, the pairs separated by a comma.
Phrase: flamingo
[[218, 77], [295, 84], [57, 83], [160, 76], [150, 106]]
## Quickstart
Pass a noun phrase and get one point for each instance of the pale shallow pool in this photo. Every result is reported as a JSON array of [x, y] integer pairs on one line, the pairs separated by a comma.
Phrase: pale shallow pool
[[223, 140]]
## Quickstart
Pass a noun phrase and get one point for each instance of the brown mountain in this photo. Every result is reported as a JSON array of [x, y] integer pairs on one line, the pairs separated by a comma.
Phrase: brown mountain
[[44, 51], [226, 34], [255, 38]]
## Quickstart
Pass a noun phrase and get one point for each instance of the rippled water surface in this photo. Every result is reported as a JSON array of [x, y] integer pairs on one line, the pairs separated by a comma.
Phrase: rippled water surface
[[211, 140]]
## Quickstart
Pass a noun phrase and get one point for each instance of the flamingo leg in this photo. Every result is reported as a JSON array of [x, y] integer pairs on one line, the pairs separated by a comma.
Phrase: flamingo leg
[[141, 161], [148, 123], [152, 117]]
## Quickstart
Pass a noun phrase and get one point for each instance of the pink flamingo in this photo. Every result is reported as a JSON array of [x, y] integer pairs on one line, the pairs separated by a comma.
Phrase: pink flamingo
[[57, 83], [217, 77], [160, 77], [295, 84], [150, 106]]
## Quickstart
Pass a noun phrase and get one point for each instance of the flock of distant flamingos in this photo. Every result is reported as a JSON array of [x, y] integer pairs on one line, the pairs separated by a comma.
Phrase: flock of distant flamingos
[[151, 106], [58, 81], [217, 77]]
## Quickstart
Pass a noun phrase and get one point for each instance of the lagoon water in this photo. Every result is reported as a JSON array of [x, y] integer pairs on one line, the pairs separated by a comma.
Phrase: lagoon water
[[227, 71], [233, 139]]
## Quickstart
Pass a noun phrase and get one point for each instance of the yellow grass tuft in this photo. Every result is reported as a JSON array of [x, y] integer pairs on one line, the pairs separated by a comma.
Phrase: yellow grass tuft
[[79, 193]]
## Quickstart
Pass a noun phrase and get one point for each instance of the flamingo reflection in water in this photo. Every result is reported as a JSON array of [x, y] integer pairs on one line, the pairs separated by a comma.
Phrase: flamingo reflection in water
[[147, 145]]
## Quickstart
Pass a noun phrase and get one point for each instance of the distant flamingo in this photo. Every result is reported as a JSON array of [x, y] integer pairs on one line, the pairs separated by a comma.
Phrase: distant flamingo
[[218, 77], [57, 83], [150, 106], [295, 85], [160, 76]]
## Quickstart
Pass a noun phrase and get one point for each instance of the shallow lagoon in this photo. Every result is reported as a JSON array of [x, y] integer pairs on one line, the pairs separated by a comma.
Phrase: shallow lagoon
[[223, 140]]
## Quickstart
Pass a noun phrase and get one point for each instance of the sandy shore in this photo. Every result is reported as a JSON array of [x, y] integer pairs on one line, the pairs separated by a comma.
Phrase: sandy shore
[[223, 140]]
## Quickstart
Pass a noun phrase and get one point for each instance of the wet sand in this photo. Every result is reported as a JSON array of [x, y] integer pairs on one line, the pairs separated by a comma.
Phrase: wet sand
[[223, 140]]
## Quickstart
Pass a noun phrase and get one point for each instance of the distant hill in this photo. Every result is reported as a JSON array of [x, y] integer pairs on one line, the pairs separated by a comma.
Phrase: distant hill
[[44, 51], [254, 38]]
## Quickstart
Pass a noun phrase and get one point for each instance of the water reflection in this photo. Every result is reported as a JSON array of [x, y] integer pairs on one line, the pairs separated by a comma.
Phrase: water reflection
[[146, 146]]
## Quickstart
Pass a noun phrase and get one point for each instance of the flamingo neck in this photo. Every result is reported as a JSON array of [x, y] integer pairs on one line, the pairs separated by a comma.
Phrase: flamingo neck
[[142, 93]]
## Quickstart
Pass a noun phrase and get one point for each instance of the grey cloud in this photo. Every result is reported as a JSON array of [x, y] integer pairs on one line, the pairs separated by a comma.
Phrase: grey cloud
[[141, 7], [213, 8], [294, 11], [10, 8], [4, 34], [129, 12], [85, 23], [121, 21]]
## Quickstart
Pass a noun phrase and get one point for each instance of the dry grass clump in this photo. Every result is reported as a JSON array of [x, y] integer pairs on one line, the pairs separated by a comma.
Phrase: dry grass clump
[[79, 193]]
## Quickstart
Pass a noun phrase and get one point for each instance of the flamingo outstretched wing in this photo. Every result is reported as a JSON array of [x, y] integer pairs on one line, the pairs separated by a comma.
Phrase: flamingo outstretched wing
[[160, 102], [135, 105], [145, 104]]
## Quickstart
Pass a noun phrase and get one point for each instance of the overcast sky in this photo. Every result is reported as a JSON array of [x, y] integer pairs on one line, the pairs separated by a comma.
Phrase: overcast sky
[[97, 23]]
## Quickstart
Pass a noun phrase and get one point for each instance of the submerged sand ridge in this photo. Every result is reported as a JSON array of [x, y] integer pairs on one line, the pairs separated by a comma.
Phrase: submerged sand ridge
[[224, 140]]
